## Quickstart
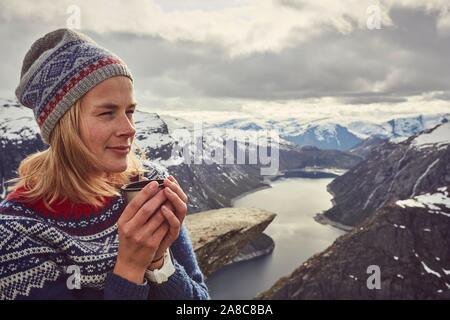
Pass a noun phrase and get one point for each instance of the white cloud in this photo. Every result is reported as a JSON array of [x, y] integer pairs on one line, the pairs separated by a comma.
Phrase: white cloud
[[243, 27], [305, 110], [287, 50]]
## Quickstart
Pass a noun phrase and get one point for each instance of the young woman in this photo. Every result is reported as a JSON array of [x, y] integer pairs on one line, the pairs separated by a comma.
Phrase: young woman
[[66, 231]]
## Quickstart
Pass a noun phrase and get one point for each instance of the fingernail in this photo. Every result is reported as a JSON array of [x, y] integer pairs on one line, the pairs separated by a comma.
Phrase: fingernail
[[164, 208], [153, 185]]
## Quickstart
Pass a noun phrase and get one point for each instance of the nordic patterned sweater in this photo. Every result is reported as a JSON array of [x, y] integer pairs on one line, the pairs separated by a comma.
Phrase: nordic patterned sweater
[[41, 250]]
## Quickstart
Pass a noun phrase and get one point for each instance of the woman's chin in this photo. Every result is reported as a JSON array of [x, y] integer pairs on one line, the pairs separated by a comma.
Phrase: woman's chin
[[117, 168]]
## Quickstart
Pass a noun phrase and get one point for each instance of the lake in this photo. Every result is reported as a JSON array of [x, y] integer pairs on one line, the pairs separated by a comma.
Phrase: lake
[[296, 234]]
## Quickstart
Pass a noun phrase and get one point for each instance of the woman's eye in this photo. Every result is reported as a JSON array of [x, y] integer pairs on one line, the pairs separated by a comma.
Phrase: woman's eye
[[110, 113]]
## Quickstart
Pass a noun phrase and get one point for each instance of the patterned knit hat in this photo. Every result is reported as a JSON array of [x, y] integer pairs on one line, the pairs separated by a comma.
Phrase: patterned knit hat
[[58, 70]]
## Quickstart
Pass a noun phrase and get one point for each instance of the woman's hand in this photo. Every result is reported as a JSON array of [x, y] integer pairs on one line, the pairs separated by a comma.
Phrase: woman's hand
[[174, 210], [141, 228]]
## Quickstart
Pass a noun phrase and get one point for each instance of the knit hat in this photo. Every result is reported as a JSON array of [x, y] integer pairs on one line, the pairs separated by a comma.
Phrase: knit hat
[[58, 70]]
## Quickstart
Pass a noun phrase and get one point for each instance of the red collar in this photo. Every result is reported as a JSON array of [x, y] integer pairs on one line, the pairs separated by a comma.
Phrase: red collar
[[65, 209]]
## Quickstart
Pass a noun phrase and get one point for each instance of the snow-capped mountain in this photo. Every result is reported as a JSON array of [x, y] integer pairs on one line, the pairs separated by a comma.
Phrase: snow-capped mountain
[[437, 138], [326, 134], [323, 135], [397, 129], [17, 123]]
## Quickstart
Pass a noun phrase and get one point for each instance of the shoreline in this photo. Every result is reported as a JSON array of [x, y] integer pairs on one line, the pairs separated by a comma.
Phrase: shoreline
[[233, 200], [333, 203], [322, 219]]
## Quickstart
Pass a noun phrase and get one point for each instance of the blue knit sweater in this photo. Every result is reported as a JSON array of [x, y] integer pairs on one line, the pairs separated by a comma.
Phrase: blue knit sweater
[[39, 250]]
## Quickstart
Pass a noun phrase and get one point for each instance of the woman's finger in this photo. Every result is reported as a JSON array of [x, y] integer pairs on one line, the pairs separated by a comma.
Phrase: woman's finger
[[167, 241], [146, 211], [142, 197], [155, 220], [177, 189], [158, 236], [172, 178], [169, 205], [179, 205], [151, 226], [173, 221]]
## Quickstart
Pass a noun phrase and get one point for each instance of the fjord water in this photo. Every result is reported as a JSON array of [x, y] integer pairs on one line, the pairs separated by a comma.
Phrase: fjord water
[[296, 234]]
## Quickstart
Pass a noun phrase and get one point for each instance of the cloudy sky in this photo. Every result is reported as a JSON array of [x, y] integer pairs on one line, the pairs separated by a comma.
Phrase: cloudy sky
[[368, 58]]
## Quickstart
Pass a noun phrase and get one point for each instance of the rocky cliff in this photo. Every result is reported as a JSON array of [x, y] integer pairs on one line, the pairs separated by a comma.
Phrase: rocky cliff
[[391, 172], [407, 240], [218, 236], [366, 146], [398, 198]]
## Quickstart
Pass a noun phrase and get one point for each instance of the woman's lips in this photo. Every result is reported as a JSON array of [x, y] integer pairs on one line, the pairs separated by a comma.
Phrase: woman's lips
[[120, 150]]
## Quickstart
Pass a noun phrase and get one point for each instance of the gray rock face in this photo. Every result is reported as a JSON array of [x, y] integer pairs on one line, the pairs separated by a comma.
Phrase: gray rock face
[[219, 235], [309, 156], [409, 243], [365, 147], [214, 186], [259, 246], [391, 172]]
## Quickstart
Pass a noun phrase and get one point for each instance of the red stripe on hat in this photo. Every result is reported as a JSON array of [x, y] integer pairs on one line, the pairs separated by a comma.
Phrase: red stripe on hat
[[71, 83]]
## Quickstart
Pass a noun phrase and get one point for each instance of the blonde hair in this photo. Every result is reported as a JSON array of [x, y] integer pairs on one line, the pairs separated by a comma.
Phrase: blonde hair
[[68, 170]]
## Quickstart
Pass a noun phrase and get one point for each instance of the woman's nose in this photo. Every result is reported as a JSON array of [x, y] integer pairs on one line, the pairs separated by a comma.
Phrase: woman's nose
[[126, 127]]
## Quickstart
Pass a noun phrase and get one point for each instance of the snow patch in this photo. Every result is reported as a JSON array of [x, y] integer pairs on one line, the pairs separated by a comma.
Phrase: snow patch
[[437, 137], [429, 270], [423, 175], [429, 201], [409, 203], [173, 161], [370, 196]]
